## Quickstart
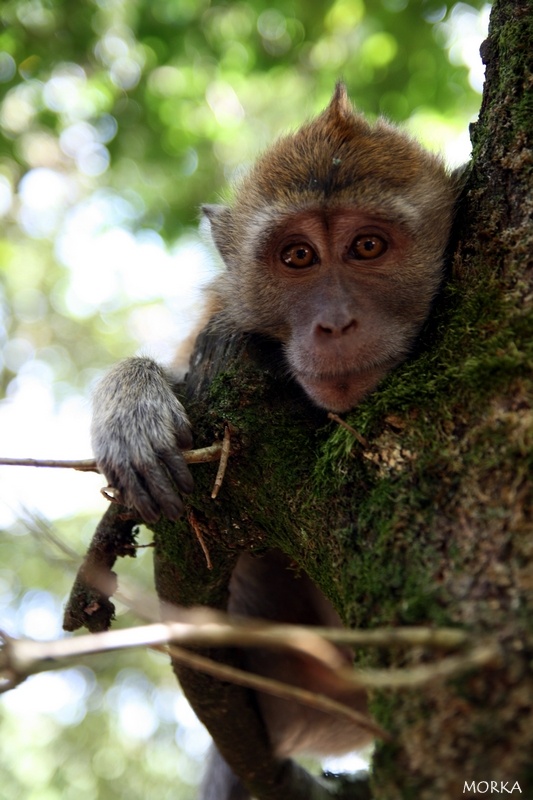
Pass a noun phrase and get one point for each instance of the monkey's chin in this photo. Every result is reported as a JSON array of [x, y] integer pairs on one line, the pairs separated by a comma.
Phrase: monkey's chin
[[340, 392]]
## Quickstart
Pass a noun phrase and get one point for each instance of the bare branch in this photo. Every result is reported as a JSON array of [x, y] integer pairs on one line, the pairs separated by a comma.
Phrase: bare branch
[[84, 465], [205, 628], [484, 655], [89, 603], [202, 455], [437, 638], [277, 688], [25, 656], [22, 657]]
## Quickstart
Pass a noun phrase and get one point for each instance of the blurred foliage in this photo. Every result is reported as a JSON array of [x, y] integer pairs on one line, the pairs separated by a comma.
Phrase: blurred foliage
[[150, 107], [174, 95], [118, 118], [120, 731]]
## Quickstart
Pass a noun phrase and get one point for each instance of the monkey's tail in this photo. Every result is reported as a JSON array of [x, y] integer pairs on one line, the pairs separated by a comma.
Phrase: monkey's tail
[[219, 782]]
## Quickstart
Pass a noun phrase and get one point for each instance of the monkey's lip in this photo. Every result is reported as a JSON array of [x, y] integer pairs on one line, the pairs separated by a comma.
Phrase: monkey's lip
[[341, 391]]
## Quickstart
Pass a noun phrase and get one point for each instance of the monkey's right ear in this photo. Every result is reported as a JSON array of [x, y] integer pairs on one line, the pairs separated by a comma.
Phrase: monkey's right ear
[[219, 220], [214, 211]]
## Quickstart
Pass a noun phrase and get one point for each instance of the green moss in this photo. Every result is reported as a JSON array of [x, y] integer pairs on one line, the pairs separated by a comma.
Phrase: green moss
[[425, 524]]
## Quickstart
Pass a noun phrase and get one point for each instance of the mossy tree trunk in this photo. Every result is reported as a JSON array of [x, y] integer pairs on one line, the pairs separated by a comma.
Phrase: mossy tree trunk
[[427, 522]]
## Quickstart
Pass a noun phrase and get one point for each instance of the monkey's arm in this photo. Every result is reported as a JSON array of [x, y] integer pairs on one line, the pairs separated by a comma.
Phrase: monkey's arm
[[138, 431]]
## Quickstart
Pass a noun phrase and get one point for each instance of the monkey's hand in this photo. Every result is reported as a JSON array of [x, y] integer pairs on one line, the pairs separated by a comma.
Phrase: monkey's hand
[[138, 431]]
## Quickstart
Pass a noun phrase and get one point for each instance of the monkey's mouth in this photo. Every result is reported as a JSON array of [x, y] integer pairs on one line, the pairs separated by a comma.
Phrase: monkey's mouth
[[340, 392]]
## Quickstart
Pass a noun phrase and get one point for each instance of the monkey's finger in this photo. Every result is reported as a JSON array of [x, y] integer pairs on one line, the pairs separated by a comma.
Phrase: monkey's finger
[[140, 500], [132, 491], [178, 470], [162, 491], [183, 432]]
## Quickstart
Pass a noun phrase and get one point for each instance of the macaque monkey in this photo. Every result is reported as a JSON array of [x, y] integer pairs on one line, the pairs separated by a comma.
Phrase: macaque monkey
[[334, 246]]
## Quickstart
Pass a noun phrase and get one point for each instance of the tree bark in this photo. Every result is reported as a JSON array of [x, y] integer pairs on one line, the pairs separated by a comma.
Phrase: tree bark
[[428, 522]]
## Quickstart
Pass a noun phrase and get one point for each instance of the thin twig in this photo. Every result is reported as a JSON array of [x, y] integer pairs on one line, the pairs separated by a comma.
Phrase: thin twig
[[360, 438], [224, 455], [202, 455], [149, 608], [484, 655], [83, 465], [199, 628], [205, 628], [438, 638], [277, 688], [193, 522], [20, 658]]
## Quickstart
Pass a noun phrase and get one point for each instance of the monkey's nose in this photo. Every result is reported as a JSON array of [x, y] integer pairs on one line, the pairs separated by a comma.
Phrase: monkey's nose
[[335, 330]]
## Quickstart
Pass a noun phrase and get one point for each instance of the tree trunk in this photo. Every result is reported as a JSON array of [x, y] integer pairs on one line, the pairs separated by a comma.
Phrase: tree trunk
[[424, 524]]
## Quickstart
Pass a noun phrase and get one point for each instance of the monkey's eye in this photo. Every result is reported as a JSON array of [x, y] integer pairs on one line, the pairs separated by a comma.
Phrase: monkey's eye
[[299, 256], [367, 246]]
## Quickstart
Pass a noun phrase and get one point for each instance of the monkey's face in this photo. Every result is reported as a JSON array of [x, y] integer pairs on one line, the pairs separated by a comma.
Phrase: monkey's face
[[347, 292], [334, 245]]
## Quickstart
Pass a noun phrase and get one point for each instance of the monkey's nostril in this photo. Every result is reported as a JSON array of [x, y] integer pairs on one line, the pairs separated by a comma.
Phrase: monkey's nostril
[[336, 331], [350, 327]]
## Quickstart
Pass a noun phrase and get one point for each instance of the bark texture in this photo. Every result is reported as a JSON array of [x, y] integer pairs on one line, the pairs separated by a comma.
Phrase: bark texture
[[427, 523]]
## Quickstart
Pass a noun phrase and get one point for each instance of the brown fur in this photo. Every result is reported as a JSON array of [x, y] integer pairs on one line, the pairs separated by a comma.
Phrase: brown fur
[[345, 320], [337, 159]]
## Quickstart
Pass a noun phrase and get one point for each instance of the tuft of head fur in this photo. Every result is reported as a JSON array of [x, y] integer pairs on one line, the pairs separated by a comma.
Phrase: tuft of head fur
[[337, 159]]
